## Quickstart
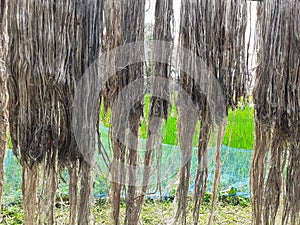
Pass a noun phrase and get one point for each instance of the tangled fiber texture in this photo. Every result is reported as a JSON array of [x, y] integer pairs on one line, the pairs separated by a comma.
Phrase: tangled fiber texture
[[4, 91], [215, 32], [52, 43], [277, 117], [124, 22]]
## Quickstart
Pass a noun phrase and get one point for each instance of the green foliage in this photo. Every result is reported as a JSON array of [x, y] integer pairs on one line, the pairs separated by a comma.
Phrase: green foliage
[[153, 212], [235, 200], [9, 142], [207, 198], [240, 128], [172, 195], [169, 128], [105, 116], [231, 198], [12, 215], [232, 191], [239, 132]]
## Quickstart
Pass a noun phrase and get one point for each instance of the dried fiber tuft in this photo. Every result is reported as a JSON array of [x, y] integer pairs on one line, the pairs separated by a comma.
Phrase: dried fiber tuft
[[52, 43], [277, 117]]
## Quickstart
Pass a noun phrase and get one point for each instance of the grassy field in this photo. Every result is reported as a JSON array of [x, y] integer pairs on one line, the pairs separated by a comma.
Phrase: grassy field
[[154, 212], [239, 132], [240, 127]]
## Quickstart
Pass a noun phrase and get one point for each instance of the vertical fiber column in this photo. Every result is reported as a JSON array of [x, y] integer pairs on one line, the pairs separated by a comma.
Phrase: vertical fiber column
[[277, 118], [3, 91], [53, 45]]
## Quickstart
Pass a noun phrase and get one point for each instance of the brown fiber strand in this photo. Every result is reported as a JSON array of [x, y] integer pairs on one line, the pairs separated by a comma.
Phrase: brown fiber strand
[[52, 45], [277, 118], [112, 39], [3, 92], [215, 32], [124, 21], [158, 109]]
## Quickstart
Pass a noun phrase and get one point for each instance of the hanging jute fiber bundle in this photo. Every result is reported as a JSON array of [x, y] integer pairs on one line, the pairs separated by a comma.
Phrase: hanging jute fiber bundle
[[3, 91], [215, 32], [52, 44], [277, 114]]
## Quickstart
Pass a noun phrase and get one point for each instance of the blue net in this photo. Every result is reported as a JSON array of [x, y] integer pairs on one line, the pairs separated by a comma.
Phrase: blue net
[[235, 171]]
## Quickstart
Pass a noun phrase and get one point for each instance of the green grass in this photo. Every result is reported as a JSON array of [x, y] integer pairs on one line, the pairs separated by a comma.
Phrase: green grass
[[9, 142], [240, 126], [169, 128], [154, 212]]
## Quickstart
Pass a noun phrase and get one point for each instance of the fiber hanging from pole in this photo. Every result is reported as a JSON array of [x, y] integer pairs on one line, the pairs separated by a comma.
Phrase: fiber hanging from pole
[[52, 45], [3, 92], [160, 93], [215, 32], [124, 24], [277, 117]]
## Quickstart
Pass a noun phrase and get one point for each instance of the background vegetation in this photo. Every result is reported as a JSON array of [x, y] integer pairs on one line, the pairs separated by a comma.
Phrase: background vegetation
[[239, 132], [230, 210]]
